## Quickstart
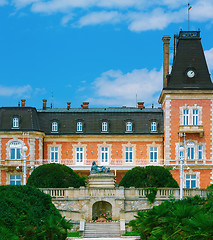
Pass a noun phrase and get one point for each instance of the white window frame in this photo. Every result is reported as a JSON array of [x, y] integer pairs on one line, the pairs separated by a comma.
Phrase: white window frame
[[195, 117], [16, 147], [153, 151], [104, 127], [79, 155], [185, 117], [15, 122], [154, 126], [200, 152], [54, 127], [129, 154], [16, 179], [54, 154], [128, 126], [79, 126], [181, 152], [191, 179], [104, 152], [190, 146]]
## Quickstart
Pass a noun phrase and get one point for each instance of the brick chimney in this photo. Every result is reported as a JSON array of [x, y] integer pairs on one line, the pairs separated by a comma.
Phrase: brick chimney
[[166, 40], [68, 105], [141, 105], [23, 102], [85, 105], [44, 104]]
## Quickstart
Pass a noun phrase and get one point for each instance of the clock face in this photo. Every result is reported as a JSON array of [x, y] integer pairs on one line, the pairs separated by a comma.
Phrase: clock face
[[190, 73]]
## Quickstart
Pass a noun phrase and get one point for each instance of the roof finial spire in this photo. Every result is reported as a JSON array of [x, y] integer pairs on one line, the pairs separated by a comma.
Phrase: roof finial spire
[[189, 7]]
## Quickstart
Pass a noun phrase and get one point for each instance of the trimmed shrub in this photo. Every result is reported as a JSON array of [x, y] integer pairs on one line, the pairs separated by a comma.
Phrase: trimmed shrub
[[26, 213], [150, 176], [55, 176]]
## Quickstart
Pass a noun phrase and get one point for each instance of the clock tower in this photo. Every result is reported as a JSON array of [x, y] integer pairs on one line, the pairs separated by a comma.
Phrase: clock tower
[[187, 102]]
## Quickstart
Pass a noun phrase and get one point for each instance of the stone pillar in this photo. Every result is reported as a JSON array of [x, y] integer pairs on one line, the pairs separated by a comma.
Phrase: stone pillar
[[101, 180]]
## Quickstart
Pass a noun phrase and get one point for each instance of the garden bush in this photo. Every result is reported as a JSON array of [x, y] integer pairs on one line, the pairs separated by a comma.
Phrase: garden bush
[[150, 176], [55, 176], [28, 213]]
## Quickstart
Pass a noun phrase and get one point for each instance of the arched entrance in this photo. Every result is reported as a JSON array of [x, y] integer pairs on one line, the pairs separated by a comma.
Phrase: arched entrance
[[102, 208]]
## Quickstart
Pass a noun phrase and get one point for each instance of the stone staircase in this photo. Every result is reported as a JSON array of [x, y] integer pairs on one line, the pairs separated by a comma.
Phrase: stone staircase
[[102, 229]]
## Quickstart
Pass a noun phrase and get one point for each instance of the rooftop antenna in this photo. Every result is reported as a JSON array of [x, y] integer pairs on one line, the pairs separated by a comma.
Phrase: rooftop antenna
[[136, 99], [52, 100], [189, 8]]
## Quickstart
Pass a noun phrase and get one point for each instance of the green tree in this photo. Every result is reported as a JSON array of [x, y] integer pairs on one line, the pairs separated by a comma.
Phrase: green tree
[[150, 176], [25, 213], [189, 219], [55, 176]]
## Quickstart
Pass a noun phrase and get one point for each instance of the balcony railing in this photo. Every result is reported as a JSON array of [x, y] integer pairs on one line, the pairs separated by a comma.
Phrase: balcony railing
[[121, 192], [192, 129]]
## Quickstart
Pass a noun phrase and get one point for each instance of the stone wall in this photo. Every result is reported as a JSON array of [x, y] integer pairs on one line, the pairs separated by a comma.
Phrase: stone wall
[[77, 203]]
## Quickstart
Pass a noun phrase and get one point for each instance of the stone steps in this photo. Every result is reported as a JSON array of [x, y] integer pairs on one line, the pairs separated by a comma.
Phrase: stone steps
[[111, 229]]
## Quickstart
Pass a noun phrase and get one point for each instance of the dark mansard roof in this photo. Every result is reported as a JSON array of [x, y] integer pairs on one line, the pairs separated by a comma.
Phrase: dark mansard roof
[[28, 118], [92, 118], [189, 56]]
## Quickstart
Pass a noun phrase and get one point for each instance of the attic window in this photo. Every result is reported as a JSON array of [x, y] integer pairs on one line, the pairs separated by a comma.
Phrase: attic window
[[79, 127], [15, 122], [54, 127], [153, 126], [128, 127]]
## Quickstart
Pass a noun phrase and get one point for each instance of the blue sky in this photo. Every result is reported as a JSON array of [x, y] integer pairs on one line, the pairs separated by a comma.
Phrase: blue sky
[[107, 52]]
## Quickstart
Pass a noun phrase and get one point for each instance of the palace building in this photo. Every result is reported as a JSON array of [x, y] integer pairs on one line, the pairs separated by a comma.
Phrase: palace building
[[122, 137]]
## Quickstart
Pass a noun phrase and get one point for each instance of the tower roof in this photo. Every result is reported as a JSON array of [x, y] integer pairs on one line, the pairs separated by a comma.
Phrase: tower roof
[[189, 70]]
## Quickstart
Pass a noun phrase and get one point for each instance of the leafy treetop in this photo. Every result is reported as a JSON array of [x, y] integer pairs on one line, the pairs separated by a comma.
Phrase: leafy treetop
[[55, 176], [150, 176]]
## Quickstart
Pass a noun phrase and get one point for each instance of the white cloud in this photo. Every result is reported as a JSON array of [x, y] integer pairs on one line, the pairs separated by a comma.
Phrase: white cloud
[[202, 11], [66, 19], [103, 17], [209, 58], [23, 91], [139, 15], [157, 19], [23, 3], [116, 88], [3, 2]]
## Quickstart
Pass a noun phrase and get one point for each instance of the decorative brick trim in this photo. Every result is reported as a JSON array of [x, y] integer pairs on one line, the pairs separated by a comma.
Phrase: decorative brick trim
[[211, 131], [32, 149], [211, 177], [167, 131], [40, 149]]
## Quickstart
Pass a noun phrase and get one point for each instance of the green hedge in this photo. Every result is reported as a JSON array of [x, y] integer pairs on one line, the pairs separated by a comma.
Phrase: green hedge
[[28, 213], [150, 176], [55, 176]]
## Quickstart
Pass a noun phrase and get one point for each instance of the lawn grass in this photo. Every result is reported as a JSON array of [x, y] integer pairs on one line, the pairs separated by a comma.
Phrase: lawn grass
[[73, 234], [131, 234]]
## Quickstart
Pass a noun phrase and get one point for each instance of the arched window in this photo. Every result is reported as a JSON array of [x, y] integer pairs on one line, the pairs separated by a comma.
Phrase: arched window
[[181, 153], [15, 122], [104, 127], [15, 150], [190, 151], [153, 126], [54, 127], [128, 126], [79, 127]]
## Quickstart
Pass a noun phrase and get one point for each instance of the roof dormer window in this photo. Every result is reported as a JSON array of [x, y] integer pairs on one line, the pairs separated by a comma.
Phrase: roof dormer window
[[15, 122], [128, 127], [54, 127], [79, 127]]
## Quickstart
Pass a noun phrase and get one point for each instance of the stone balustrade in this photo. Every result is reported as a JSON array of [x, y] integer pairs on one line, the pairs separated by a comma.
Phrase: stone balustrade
[[162, 193], [79, 203]]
